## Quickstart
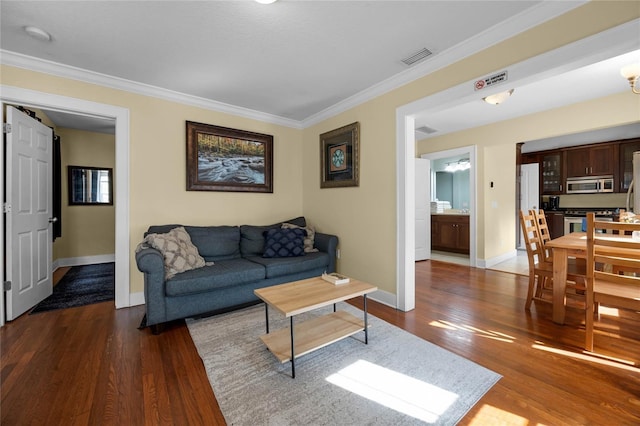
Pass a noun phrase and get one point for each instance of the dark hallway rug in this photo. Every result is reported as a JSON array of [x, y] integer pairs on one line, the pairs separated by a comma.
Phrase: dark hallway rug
[[80, 286]]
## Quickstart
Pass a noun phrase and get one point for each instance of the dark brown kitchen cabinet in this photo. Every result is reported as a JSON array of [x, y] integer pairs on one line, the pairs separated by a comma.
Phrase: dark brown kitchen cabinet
[[596, 160], [450, 232], [529, 158], [626, 166], [551, 173]]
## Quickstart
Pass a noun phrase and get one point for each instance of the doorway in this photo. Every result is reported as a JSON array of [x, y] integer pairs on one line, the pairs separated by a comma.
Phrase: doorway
[[465, 202], [605, 45], [46, 101], [452, 187]]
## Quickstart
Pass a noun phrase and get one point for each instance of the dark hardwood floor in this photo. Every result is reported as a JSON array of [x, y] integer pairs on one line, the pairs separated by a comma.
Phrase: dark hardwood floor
[[91, 365]]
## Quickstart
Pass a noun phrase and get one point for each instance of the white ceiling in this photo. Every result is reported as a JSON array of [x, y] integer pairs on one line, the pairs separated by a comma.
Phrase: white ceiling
[[82, 122], [589, 82], [291, 62]]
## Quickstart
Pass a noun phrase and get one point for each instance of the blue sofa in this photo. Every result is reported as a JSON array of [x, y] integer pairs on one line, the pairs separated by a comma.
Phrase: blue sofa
[[238, 269]]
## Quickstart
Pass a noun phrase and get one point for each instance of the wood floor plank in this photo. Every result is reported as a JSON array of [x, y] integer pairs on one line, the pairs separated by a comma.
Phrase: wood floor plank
[[155, 395], [91, 365]]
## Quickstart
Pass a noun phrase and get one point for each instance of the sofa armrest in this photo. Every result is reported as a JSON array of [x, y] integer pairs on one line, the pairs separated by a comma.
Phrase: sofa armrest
[[151, 263], [327, 243]]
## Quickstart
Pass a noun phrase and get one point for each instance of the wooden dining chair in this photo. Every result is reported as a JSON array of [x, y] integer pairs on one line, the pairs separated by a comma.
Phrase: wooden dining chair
[[545, 234], [541, 271], [616, 286], [576, 265]]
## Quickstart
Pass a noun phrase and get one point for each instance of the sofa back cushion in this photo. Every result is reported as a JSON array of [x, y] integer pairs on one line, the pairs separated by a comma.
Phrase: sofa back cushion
[[216, 242], [160, 229], [252, 237]]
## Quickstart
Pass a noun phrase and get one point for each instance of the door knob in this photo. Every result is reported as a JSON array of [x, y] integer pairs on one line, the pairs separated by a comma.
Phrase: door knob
[[53, 219]]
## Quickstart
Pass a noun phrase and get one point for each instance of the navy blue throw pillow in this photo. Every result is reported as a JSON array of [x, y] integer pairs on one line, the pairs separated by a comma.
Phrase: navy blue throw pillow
[[284, 242]]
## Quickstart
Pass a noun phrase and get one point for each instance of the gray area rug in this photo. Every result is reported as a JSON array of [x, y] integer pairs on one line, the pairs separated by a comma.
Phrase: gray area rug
[[398, 378]]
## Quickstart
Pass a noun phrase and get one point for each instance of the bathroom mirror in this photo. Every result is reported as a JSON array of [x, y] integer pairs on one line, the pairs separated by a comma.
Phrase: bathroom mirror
[[90, 185]]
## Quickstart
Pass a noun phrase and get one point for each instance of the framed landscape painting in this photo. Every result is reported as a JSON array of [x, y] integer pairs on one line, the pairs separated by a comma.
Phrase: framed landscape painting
[[340, 157], [224, 159]]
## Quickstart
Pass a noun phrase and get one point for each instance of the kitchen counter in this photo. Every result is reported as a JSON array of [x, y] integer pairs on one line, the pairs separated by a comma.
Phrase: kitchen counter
[[454, 212]]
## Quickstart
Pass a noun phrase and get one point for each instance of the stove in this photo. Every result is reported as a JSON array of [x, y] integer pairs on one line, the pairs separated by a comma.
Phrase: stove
[[574, 217], [599, 211]]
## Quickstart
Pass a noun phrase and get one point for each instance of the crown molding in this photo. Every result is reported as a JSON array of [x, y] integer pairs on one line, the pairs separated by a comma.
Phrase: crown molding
[[517, 24], [505, 30], [65, 71]]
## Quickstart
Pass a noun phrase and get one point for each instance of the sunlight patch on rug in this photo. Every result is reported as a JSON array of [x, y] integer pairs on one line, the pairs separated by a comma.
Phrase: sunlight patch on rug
[[394, 390]]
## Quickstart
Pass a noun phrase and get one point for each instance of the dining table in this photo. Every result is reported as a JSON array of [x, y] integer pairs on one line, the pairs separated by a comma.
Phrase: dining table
[[569, 245]]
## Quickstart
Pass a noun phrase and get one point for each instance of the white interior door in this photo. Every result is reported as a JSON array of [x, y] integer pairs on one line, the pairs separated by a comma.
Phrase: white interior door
[[529, 192], [29, 212], [423, 199]]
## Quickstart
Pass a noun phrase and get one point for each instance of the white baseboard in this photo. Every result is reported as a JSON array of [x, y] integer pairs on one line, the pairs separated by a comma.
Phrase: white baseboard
[[136, 299], [488, 263], [83, 260], [383, 297]]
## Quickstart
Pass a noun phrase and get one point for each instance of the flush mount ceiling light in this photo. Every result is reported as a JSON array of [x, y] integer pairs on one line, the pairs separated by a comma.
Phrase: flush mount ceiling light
[[266, 1], [38, 33], [498, 98], [632, 73]]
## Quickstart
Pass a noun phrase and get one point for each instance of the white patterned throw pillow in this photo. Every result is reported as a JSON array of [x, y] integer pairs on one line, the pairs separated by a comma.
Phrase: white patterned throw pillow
[[179, 252]]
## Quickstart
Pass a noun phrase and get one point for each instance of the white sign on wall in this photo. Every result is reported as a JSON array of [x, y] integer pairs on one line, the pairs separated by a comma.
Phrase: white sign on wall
[[492, 80]]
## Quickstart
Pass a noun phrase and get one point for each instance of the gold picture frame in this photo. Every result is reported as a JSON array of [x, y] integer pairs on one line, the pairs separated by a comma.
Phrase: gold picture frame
[[340, 157], [224, 159]]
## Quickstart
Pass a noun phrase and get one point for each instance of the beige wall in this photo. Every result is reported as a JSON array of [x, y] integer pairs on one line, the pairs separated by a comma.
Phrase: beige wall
[[157, 175], [86, 230], [497, 156], [364, 217]]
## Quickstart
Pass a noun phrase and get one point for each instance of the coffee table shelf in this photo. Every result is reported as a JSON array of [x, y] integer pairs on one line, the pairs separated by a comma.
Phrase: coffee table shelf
[[302, 296], [312, 334]]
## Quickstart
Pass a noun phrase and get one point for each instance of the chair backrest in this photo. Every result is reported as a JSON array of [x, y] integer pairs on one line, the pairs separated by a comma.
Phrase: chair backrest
[[543, 232], [532, 240], [608, 245]]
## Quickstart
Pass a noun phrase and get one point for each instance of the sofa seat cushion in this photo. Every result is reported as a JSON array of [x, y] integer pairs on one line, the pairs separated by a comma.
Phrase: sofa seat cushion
[[224, 273], [280, 266]]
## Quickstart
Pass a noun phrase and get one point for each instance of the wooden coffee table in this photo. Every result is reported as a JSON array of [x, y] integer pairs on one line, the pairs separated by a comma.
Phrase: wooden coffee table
[[306, 295]]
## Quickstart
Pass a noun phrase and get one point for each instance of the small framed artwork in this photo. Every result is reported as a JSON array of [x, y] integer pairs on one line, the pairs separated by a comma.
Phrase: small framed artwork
[[224, 159], [340, 157]]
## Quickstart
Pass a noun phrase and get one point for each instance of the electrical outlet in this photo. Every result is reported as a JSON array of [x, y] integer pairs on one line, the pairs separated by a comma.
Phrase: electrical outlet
[[338, 253]]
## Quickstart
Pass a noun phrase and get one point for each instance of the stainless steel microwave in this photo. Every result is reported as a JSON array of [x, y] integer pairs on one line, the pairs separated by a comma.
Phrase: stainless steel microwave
[[590, 185]]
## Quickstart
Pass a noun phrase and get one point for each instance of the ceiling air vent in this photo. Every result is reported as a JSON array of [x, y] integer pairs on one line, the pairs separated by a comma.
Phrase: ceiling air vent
[[426, 130], [417, 57]]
